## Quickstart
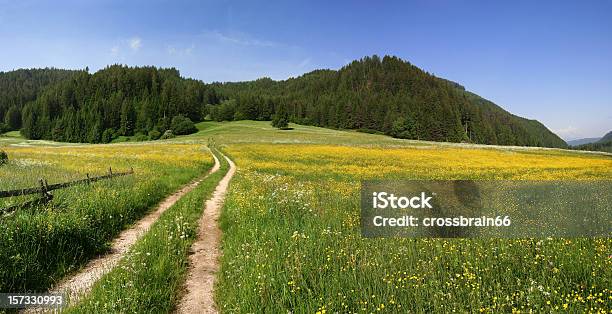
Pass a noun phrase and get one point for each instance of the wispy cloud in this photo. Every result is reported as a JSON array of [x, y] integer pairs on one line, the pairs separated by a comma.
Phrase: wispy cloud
[[114, 51], [173, 51], [240, 39], [125, 45], [135, 43], [304, 62]]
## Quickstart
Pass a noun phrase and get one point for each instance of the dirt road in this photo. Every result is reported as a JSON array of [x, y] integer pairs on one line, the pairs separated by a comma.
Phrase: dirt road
[[82, 281], [204, 262]]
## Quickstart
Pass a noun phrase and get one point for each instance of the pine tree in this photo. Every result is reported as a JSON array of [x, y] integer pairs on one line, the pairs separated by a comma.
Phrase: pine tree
[[128, 118], [281, 120], [13, 118]]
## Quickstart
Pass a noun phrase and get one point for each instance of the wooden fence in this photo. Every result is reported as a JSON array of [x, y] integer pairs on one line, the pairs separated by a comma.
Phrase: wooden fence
[[45, 188]]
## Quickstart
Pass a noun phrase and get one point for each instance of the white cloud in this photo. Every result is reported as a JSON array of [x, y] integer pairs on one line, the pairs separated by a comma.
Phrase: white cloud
[[135, 43]]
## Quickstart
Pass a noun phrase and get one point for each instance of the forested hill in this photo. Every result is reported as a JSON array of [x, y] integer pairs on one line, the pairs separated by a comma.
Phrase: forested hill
[[22, 86], [385, 95], [116, 101]]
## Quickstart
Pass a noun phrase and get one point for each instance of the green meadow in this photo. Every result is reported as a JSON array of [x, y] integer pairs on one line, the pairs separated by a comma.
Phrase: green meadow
[[291, 233]]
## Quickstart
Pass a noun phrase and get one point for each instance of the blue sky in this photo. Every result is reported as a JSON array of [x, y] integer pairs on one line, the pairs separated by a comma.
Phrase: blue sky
[[550, 60]]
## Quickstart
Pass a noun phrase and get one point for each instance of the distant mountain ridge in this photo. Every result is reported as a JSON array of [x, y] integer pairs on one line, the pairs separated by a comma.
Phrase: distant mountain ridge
[[604, 144], [583, 141], [606, 138]]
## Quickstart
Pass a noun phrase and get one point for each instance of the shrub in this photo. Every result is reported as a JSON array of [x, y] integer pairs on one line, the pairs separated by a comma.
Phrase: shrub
[[4, 128], [167, 135], [369, 131], [223, 112], [239, 115], [3, 157], [154, 134], [120, 139], [181, 125], [404, 127], [107, 135], [139, 137], [280, 120]]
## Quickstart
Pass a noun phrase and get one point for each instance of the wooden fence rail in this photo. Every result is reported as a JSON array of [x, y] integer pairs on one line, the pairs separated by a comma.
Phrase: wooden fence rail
[[45, 188]]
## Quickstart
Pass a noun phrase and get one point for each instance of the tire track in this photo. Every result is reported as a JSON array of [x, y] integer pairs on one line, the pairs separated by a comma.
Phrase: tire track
[[204, 262]]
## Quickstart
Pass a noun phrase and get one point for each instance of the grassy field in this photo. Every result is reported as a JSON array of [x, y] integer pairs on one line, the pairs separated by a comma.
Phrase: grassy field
[[40, 245], [292, 240], [291, 225]]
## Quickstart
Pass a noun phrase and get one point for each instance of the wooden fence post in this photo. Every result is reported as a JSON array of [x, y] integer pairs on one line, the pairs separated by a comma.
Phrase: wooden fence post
[[48, 196], [43, 190]]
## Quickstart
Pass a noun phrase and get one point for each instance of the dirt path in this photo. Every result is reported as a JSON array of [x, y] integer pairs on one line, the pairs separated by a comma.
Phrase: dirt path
[[204, 262], [81, 282]]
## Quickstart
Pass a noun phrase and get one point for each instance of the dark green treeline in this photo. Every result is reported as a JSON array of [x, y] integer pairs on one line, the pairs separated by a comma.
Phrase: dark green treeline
[[375, 95]]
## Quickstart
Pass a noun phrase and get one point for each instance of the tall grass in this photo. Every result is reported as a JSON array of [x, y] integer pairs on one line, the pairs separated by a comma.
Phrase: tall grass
[[291, 238], [40, 245]]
